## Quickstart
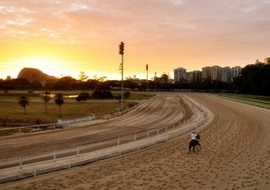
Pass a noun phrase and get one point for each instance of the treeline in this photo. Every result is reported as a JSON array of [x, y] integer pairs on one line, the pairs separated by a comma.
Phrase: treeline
[[254, 79], [69, 83]]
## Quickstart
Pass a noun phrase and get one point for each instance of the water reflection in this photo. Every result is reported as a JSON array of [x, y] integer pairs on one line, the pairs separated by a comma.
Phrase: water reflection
[[65, 96]]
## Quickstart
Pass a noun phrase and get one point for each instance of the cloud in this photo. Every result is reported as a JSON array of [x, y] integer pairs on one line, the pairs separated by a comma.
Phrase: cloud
[[179, 29]]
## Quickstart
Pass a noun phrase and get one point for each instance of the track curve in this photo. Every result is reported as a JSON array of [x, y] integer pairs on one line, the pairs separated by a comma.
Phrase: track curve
[[235, 154]]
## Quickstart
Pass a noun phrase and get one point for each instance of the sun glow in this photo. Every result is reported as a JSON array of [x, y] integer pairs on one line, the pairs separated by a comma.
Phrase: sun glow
[[49, 65]]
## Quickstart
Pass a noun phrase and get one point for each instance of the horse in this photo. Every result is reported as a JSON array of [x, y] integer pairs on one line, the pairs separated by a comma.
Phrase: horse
[[194, 144]]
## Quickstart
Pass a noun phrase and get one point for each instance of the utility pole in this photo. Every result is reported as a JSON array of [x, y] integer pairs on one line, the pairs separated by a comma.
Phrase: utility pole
[[147, 81], [121, 52], [155, 81]]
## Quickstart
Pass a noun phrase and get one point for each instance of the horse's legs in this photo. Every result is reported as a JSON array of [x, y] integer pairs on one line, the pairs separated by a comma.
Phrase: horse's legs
[[194, 146], [198, 144]]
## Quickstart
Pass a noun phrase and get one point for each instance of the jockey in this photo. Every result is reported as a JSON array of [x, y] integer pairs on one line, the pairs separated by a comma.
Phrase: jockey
[[193, 136]]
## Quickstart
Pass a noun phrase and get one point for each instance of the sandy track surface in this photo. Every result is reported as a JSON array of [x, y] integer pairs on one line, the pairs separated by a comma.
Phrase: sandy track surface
[[157, 112], [235, 154]]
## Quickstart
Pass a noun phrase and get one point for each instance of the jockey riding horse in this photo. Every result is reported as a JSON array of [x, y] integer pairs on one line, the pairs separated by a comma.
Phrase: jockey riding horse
[[195, 138]]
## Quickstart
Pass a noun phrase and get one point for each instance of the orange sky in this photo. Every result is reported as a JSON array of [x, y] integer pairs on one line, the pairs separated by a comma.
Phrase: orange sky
[[65, 37]]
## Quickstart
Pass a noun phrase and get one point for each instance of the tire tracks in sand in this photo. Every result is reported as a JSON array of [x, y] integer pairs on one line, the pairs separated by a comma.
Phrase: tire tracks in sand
[[235, 154]]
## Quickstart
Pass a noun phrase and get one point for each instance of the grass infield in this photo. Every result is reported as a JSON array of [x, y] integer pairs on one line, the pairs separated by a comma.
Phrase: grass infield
[[12, 112]]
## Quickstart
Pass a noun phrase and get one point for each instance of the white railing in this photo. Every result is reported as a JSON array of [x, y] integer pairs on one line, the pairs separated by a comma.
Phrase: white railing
[[249, 102], [51, 160], [60, 124]]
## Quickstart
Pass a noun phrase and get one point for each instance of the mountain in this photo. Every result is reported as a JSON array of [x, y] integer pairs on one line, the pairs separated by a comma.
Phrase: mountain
[[32, 74]]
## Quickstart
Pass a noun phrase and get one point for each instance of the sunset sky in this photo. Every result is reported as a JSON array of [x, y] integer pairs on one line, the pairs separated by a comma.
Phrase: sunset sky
[[65, 37]]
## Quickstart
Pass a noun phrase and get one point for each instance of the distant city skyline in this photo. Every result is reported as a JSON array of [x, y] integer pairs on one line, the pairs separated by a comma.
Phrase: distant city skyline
[[174, 75], [214, 72], [225, 74]]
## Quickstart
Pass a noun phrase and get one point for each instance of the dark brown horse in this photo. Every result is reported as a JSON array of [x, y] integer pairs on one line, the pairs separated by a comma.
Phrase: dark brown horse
[[194, 144]]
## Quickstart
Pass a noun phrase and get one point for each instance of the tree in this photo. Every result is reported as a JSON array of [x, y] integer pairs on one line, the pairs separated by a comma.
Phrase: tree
[[46, 98], [83, 96], [59, 100], [97, 81], [23, 101], [103, 94], [164, 78], [65, 83], [82, 76], [126, 95], [251, 78]]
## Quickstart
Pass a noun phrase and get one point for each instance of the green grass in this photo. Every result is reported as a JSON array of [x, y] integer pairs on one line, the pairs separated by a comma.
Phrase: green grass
[[14, 131], [248, 99], [135, 96], [37, 94], [12, 112]]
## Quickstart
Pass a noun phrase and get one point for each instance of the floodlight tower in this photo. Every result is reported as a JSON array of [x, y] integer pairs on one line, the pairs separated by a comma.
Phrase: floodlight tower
[[147, 81], [121, 52]]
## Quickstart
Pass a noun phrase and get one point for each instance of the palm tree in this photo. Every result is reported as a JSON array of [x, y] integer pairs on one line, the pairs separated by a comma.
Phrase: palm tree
[[59, 100], [46, 98], [23, 101]]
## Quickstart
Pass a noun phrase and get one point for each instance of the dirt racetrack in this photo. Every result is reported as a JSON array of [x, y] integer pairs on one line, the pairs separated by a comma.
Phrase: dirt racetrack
[[235, 154], [150, 115]]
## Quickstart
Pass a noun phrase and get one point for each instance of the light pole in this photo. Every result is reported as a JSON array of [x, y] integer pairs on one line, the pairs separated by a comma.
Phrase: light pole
[[155, 82], [121, 52], [147, 81]]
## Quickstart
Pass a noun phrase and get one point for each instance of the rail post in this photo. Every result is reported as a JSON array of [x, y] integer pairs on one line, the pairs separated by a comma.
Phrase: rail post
[[78, 151], [21, 161], [54, 154]]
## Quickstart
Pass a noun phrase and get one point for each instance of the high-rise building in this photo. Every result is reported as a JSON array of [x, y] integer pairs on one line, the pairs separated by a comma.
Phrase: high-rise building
[[8, 78], [188, 76], [206, 73], [197, 75], [179, 74], [226, 74], [267, 60], [236, 71], [216, 72]]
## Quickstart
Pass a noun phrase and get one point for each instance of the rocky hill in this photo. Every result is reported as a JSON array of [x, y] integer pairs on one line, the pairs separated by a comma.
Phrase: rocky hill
[[32, 74]]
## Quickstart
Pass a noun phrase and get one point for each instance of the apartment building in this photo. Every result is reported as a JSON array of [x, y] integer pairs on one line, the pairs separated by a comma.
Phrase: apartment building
[[215, 72], [236, 71], [226, 74], [179, 73], [206, 72], [267, 60]]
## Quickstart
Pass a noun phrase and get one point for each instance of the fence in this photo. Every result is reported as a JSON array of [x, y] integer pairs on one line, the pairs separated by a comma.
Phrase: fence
[[249, 102], [60, 124], [42, 162]]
